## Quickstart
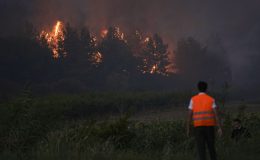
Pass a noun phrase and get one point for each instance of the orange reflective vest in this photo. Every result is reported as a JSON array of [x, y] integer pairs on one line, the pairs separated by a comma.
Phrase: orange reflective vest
[[203, 113]]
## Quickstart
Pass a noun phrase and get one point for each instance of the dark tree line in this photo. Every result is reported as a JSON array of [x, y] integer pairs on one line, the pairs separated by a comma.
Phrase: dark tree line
[[113, 62], [197, 62]]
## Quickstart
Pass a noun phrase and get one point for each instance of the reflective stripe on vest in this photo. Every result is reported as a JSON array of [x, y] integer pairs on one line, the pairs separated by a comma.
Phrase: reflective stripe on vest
[[204, 118], [203, 114]]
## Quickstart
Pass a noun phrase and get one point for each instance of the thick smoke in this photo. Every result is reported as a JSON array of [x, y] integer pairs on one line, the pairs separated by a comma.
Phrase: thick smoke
[[236, 22]]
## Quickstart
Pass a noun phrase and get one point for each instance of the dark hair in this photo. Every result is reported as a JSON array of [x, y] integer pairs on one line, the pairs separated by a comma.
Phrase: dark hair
[[237, 120], [202, 86]]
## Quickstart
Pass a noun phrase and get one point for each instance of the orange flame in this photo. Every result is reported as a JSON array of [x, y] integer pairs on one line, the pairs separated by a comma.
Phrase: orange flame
[[53, 38], [96, 58], [104, 33], [57, 29], [154, 68], [147, 39], [117, 34], [120, 35]]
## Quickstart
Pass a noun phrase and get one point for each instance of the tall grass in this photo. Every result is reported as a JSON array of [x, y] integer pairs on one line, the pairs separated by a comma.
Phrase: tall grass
[[64, 127], [123, 139]]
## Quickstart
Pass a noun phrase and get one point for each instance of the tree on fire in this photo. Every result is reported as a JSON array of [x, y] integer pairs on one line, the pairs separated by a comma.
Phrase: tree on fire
[[114, 61], [155, 56], [88, 46], [151, 52]]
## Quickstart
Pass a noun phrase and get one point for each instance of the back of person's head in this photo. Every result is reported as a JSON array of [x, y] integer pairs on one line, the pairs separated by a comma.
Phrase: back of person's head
[[202, 86]]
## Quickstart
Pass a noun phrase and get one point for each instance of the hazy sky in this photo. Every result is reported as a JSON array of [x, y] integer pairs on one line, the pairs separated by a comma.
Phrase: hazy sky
[[235, 21]]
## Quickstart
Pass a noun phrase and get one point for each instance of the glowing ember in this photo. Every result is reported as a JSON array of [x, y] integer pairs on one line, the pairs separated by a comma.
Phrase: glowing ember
[[104, 33], [116, 34], [154, 68], [96, 58], [120, 35], [53, 38], [147, 39], [94, 41]]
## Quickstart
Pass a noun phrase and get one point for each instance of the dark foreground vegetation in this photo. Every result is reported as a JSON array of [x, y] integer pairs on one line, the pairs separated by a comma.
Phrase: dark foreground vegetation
[[79, 127]]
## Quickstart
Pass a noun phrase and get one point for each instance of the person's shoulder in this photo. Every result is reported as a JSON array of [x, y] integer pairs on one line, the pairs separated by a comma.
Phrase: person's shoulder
[[203, 95], [195, 96], [210, 97]]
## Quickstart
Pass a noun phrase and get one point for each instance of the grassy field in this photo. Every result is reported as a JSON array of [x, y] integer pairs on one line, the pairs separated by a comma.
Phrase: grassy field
[[118, 126]]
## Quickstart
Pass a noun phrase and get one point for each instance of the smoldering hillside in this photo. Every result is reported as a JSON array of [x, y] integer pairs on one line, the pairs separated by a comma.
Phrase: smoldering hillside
[[224, 35]]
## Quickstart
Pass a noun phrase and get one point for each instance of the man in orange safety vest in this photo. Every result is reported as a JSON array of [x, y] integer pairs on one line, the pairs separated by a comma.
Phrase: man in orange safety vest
[[203, 114]]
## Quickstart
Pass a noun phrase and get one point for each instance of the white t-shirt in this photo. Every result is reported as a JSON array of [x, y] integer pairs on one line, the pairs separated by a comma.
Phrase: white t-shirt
[[191, 103]]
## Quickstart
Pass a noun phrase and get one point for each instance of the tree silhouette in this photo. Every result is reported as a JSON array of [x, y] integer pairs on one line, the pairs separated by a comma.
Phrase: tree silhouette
[[116, 53], [118, 64], [191, 59], [71, 43], [196, 62]]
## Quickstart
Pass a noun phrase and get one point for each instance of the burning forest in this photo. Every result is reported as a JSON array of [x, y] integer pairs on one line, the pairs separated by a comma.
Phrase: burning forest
[[71, 59], [151, 51], [53, 38], [74, 59], [114, 79]]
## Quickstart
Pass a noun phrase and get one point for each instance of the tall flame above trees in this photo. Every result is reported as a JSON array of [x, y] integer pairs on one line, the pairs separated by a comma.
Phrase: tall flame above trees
[[54, 39]]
